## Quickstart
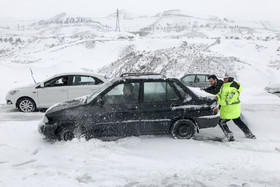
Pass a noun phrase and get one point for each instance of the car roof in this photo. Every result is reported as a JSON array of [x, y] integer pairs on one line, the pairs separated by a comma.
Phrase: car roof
[[141, 78], [77, 73], [196, 74]]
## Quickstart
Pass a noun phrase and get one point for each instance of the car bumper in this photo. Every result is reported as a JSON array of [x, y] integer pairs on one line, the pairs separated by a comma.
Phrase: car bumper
[[10, 101], [9, 105], [208, 121], [49, 131]]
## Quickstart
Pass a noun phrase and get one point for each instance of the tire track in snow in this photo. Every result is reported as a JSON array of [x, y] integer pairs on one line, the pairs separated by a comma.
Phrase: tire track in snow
[[24, 163]]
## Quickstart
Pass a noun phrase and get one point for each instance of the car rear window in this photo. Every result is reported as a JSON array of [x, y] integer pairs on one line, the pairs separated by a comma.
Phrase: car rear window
[[183, 93]]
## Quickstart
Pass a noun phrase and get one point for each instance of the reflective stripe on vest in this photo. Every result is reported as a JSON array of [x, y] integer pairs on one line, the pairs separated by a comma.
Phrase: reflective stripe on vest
[[235, 103]]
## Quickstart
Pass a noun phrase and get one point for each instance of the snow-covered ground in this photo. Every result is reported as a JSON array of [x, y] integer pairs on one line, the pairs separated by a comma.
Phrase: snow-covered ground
[[174, 44], [27, 159]]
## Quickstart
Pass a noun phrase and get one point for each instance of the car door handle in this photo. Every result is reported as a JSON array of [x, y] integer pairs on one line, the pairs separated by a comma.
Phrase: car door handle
[[132, 107], [173, 105]]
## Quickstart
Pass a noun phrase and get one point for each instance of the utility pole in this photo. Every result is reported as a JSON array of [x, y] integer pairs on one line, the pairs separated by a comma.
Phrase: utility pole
[[118, 22]]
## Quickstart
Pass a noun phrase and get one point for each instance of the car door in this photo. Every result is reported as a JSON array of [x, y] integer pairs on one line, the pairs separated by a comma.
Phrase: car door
[[116, 116], [158, 99], [54, 91], [83, 85]]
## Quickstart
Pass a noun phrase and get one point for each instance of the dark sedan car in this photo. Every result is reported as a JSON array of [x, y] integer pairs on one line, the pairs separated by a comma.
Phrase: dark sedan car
[[132, 105]]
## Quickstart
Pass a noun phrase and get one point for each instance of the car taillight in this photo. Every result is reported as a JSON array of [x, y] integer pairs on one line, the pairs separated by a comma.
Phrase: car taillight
[[216, 110]]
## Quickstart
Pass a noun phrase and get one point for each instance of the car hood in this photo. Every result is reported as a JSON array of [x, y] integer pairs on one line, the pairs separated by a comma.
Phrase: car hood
[[29, 86], [67, 104]]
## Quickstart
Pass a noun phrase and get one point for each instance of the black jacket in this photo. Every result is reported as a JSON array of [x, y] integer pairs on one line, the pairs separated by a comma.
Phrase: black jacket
[[216, 88]]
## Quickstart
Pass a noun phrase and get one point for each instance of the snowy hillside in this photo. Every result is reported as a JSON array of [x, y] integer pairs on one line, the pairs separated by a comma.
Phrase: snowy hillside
[[175, 61], [171, 42]]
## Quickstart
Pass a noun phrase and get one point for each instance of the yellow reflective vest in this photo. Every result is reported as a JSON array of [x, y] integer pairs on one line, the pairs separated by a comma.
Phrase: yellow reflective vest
[[228, 98]]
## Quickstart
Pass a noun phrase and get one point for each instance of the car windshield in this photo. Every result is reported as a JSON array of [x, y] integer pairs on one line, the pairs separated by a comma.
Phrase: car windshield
[[97, 92]]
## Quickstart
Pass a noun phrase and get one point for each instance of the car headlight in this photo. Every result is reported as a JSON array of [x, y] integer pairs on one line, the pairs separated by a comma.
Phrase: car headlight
[[13, 92], [45, 120]]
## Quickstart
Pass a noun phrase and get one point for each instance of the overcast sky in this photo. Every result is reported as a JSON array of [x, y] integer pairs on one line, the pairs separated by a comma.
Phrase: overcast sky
[[242, 9]]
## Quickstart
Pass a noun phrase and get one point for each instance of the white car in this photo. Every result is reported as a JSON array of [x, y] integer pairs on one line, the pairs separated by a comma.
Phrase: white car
[[58, 88]]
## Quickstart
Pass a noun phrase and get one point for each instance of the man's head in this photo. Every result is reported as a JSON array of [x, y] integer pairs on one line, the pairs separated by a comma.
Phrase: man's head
[[64, 80], [212, 80], [128, 89]]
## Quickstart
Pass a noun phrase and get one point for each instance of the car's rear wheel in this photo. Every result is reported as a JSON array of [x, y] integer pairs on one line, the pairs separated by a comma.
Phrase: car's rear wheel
[[67, 134], [183, 129], [26, 105]]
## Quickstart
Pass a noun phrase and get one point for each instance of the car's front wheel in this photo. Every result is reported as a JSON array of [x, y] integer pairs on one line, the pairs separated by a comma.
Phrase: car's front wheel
[[67, 134], [26, 105], [183, 129]]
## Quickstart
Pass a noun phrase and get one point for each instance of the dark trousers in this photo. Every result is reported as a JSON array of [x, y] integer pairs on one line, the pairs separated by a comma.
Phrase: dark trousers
[[238, 122]]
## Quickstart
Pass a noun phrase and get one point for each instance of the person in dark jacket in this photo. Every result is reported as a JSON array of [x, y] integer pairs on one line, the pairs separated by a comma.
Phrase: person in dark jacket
[[64, 81], [128, 93], [215, 83], [126, 98]]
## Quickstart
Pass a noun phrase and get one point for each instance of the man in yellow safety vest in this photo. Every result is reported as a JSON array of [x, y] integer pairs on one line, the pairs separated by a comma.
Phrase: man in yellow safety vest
[[228, 99]]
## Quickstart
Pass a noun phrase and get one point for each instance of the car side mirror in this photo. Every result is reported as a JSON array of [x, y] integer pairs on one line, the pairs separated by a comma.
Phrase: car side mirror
[[42, 85], [100, 102]]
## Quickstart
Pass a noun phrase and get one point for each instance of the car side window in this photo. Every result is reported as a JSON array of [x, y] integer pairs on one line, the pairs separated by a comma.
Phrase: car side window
[[83, 80], [58, 81], [122, 93], [188, 79], [154, 91], [201, 78], [159, 91]]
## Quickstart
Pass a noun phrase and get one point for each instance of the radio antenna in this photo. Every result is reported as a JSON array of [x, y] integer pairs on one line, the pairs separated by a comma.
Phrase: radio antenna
[[32, 76]]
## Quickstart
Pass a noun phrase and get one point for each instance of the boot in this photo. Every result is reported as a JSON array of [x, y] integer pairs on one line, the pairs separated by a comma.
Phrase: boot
[[230, 137], [250, 135]]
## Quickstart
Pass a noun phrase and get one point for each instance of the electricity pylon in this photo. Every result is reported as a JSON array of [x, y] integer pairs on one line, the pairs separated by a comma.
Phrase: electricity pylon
[[118, 22]]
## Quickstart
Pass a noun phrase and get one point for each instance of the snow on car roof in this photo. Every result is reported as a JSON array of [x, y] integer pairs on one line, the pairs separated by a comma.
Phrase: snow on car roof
[[147, 75]]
